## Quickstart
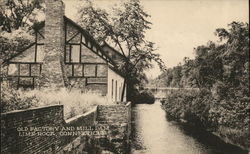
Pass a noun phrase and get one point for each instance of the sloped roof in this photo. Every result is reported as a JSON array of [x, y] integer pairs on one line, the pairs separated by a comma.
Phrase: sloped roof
[[37, 27], [86, 33], [5, 61], [112, 48], [40, 25]]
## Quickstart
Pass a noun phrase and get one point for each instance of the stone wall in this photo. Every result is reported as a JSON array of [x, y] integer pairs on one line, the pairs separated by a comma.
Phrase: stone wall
[[72, 142], [116, 117], [11, 122], [114, 114]]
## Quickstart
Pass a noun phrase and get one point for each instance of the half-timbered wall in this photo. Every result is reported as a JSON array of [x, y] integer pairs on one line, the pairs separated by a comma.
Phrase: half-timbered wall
[[116, 56], [24, 69], [86, 67]]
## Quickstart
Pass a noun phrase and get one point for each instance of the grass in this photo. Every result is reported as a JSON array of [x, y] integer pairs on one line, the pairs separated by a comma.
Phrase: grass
[[75, 102]]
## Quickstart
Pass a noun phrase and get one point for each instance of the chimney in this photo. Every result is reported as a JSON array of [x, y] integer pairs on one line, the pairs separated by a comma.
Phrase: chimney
[[52, 75]]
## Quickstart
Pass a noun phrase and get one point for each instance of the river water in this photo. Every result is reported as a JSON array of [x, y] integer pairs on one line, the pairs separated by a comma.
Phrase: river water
[[154, 134]]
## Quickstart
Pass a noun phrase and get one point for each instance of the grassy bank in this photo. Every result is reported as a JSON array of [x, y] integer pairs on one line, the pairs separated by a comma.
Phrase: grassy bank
[[225, 117], [75, 102]]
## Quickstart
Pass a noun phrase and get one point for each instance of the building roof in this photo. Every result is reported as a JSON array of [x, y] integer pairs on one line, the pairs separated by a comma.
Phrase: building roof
[[37, 27], [86, 33], [113, 49], [40, 25]]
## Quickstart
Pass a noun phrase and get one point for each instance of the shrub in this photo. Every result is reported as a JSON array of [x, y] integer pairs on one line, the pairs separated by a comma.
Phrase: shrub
[[13, 42], [212, 113], [74, 101], [12, 99], [143, 97]]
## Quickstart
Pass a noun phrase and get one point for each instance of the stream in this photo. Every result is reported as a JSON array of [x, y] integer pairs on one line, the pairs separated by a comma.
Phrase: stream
[[154, 134]]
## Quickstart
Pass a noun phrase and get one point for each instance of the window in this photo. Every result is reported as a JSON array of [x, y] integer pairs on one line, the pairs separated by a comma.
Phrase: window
[[116, 90], [77, 69], [75, 53], [67, 53], [40, 53], [72, 53], [83, 39], [24, 70], [89, 70], [94, 49], [13, 69], [112, 90], [102, 70]]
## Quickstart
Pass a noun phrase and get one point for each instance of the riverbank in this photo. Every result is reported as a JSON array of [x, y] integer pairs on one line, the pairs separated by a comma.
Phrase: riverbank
[[226, 120], [152, 132], [194, 129]]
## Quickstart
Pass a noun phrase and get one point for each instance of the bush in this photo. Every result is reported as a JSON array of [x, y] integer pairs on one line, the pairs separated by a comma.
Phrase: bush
[[74, 101], [143, 97], [12, 99], [13, 42], [203, 109]]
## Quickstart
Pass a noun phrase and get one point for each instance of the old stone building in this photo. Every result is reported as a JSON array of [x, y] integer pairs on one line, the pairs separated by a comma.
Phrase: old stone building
[[65, 55]]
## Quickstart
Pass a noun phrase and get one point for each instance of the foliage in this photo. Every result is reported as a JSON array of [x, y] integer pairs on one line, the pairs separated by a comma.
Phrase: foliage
[[124, 27], [19, 13], [221, 71], [16, 20], [12, 43], [202, 109], [225, 63], [144, 96], [15, 99], [74, 101]]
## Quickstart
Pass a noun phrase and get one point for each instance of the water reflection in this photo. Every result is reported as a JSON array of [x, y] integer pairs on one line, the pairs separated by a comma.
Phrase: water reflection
[[153, 134]]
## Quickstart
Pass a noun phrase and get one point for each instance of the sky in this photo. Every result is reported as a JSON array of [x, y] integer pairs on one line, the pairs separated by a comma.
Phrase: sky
[[178, 26]]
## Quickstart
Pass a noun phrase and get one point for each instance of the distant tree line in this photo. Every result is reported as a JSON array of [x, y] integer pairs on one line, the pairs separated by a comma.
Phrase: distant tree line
[[221, 72], [224, 64]]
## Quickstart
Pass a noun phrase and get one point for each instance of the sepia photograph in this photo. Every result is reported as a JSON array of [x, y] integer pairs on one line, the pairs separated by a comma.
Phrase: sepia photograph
[[124, 77]]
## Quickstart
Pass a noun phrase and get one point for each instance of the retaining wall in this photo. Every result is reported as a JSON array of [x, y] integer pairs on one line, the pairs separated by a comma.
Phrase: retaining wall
[[11, 122], [117, 140], [116, 117]]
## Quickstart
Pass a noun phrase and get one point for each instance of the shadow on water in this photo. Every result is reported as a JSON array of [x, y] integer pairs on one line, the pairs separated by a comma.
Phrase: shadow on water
[[211, 142], [152, 133]]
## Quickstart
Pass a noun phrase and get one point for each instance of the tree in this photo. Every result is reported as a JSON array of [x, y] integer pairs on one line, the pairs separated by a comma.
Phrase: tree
[[16, 19], [18, 13], [125, 28], [224, 65], [11, 43]]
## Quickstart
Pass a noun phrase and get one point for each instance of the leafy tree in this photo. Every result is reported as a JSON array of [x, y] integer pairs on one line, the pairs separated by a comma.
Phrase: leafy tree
[[16, 18], [11, 43], [225, 63], [221, 71], [18, 13], [125, 28]]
